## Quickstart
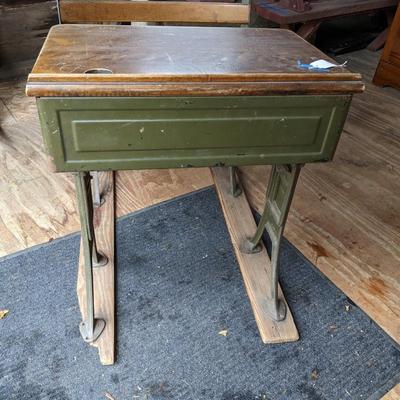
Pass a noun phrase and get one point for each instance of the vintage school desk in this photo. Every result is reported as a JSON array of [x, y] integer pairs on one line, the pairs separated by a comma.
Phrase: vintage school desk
[[124, 97]]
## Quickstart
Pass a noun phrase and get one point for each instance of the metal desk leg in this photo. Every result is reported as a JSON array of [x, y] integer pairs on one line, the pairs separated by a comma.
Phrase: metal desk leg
[[280, 192], [236, 190], [98, 199], [91, 328]]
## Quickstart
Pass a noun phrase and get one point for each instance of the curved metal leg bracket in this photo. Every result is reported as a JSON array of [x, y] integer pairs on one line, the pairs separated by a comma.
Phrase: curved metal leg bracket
[[280, 192], [99, 259], [278, 311], [275, 309], [89, 335], [249, 247]]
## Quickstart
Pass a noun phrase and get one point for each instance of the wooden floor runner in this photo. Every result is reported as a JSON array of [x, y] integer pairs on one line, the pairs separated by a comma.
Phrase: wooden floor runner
[[103, 277], [256, 267]]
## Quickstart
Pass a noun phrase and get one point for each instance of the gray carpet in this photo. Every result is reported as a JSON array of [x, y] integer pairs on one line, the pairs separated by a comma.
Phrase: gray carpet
[[178, 286]]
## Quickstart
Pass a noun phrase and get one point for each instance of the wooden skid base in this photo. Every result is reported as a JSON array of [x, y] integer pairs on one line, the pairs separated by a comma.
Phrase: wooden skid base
[[255, 268], [103, 277]]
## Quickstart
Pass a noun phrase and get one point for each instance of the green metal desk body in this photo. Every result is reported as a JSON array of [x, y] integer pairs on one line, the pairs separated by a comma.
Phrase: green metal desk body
[[86, 134]]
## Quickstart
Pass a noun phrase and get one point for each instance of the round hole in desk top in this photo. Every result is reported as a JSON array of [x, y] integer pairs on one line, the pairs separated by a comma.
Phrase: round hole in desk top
[[98, 71]]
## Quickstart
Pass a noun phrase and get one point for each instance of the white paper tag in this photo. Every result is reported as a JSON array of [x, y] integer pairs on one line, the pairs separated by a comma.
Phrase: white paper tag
[[322, 64]]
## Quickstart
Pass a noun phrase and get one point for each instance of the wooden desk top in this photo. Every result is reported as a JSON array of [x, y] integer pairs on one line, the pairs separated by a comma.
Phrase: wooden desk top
[[180, 61]]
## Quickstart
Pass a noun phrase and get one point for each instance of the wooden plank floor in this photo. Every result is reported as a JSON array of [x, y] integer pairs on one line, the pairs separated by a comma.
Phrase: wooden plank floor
[[345, 217]]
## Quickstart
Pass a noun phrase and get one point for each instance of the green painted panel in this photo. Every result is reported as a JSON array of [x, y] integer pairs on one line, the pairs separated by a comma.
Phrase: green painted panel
[[136, 133], [189, 133]]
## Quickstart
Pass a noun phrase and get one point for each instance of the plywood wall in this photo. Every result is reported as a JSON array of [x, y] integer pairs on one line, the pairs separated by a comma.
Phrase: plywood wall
[[23, 28]]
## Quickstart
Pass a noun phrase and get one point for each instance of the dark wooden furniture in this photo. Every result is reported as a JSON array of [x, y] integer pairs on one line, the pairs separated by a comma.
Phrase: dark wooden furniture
[[311, 13], [122, 97], [388, 71]]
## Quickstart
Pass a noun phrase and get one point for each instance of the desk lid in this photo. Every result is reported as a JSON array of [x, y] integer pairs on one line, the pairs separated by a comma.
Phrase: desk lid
[[112, 60]]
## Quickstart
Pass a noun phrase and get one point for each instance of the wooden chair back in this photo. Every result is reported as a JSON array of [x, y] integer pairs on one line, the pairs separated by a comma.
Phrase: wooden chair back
[[80, 11]]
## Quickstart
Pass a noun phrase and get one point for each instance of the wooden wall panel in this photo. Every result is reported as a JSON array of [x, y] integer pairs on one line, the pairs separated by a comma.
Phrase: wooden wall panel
[[23, 28]]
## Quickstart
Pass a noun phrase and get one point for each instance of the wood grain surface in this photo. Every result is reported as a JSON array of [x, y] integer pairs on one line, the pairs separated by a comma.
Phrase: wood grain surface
[[164, 60], [153, 11], [34, 208], [255, 268]]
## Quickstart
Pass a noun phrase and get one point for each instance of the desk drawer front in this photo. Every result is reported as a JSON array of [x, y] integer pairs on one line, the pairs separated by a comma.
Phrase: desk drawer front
[[130, 133]]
